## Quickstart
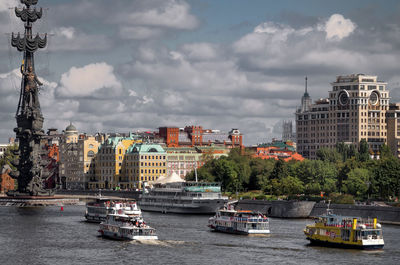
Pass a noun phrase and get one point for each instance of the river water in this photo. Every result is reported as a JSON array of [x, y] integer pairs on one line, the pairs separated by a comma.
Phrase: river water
[[47, 235]]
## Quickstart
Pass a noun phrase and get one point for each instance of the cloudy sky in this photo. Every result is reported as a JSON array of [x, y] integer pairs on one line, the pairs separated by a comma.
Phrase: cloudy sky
[[127, 65]]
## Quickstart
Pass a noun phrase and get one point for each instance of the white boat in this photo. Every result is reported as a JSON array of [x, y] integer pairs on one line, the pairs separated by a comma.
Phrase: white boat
[[183, 197], [97, 211], [229, 220], [122, 225]]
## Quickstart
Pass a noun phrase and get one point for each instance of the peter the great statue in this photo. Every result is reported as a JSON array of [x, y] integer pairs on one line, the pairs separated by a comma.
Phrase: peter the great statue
[[29, 173]]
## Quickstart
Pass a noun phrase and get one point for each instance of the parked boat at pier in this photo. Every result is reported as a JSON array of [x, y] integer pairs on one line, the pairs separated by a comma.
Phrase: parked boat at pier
[[183, 197], [346, 232], [233, 221], [98, 210], [122, 225]]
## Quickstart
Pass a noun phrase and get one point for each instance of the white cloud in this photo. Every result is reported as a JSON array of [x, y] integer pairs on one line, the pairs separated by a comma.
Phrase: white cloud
[[267, 37], [67, 32], [200, 51], [337, 27], [71, 39], [138, 32], [87, 80], [154, 19], [132, 93], [5, 5], [172, 14]]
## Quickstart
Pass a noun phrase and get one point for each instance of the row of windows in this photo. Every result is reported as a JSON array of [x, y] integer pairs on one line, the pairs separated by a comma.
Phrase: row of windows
[[362, 87], [156, 171]]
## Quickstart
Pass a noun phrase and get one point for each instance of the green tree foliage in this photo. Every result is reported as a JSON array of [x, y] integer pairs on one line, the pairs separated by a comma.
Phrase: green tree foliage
[[291, 185], [385, 152], [8, 156], [260, 172], [344, 170], [329, 155], [363, 151], [346, 151], [357, 182], [386, 178], [316, 175]]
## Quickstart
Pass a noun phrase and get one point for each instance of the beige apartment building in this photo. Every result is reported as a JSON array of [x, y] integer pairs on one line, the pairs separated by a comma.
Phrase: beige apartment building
[[355, 110]]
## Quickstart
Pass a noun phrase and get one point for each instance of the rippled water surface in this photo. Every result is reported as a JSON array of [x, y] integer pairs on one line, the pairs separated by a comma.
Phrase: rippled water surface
[[51, 236]]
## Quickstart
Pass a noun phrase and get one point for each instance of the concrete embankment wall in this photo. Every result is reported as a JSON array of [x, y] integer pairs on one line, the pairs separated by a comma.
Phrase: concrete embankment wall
[[281, 209], [104, 193], [385, 214]]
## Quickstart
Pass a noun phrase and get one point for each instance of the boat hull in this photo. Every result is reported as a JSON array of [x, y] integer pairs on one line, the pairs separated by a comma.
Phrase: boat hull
[[231, 230], [118, 236], [95, 219], [324, 243]]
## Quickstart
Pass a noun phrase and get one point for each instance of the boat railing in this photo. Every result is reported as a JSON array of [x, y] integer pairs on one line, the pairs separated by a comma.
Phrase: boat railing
[[251, 220]]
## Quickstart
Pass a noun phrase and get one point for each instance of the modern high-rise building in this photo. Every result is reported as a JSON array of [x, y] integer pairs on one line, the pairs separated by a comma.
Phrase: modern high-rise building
[[355, 110]]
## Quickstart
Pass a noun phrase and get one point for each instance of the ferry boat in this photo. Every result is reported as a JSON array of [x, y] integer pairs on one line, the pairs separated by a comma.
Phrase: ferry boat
[[97, 211], [122, 225], [233, 221], [345, 232], [183, 197]]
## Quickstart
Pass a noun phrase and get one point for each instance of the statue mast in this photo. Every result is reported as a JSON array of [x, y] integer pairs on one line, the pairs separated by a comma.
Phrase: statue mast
[[29, 116]]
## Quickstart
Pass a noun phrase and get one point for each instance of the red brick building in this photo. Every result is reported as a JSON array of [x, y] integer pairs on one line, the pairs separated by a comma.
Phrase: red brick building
[[170, 135], [197, 136]]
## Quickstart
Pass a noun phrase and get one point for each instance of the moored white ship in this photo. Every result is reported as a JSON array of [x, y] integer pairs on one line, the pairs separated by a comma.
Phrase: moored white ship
[[183, 197], [229, 220]]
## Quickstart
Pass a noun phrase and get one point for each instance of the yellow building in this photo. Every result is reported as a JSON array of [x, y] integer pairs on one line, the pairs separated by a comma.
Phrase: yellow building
[[144, 163], [110, 162]]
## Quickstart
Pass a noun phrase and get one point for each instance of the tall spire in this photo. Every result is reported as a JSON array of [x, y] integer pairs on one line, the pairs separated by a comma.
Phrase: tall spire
[[306, 92], [305, 99]]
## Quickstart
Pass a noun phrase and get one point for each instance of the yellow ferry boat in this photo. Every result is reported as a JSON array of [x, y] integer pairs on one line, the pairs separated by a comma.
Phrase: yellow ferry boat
[[347, 232]]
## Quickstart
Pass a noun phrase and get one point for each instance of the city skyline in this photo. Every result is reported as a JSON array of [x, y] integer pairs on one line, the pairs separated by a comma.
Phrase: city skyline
[[140, 65]]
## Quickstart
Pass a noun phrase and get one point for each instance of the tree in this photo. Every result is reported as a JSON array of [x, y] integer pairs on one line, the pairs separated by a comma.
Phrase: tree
[[316, 175], [363, 151], [226, 173], [207, 156], [328, 155], [357, 182], [9, 156], [385, 152], [290, 185], [260, 172], [344, 170], [386, 182], [279, 171]]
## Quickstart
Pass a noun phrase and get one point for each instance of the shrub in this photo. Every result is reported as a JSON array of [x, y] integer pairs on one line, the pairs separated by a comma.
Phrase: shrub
[[341, 198]]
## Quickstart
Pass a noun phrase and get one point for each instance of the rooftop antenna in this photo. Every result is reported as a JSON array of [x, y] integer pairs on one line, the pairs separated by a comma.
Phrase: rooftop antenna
[[306, 85]]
